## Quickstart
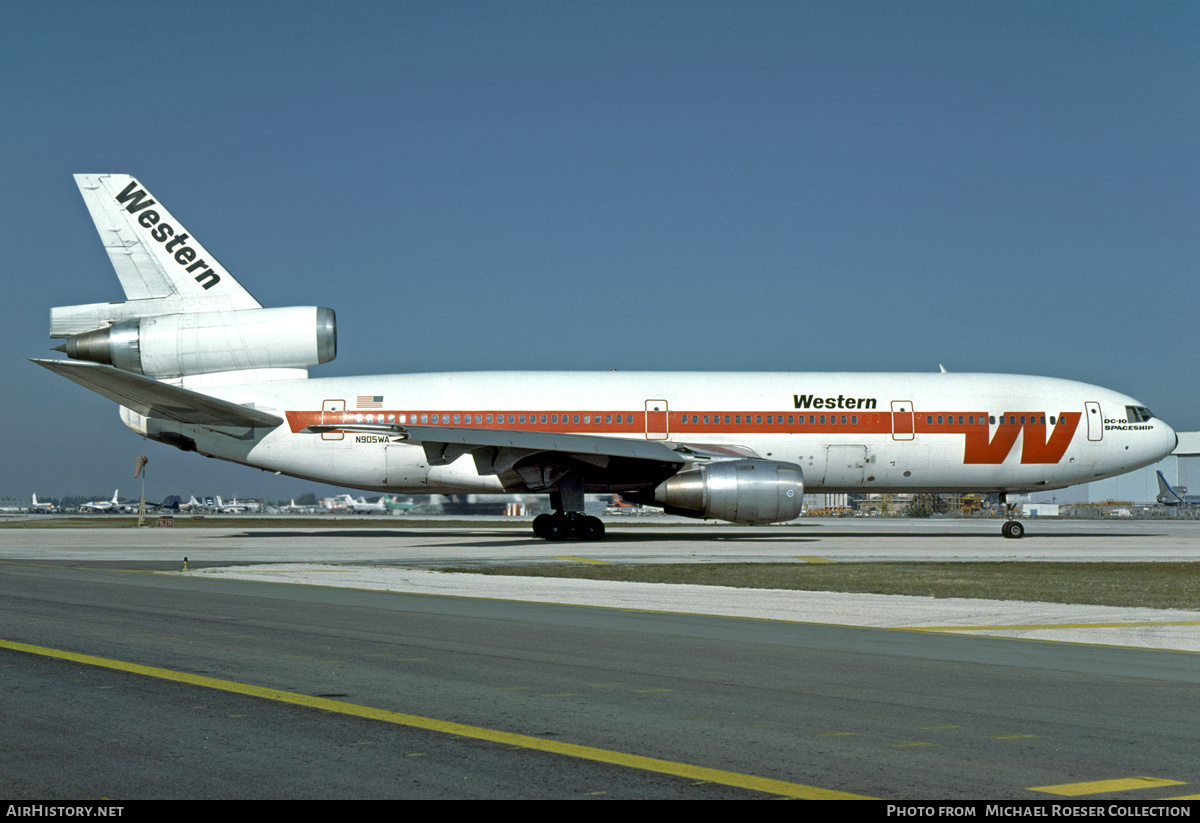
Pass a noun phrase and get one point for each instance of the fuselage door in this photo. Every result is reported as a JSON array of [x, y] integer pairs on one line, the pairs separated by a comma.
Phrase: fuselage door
[[902, 420], [656, 420], [1095, 421], [332, 412]]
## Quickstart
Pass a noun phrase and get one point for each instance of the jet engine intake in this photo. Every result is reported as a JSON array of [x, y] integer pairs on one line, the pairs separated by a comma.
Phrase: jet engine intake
[[740, 491], [174, 345]]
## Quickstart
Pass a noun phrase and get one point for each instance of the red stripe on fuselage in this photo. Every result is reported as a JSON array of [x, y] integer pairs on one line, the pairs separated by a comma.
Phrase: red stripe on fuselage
[[984, 443]]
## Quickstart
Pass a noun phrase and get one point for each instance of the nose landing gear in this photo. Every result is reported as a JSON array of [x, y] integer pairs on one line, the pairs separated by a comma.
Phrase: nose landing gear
[[1011, 528]]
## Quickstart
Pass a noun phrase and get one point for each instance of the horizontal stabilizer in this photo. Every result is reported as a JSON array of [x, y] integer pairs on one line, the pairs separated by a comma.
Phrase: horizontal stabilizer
[[150, 398]]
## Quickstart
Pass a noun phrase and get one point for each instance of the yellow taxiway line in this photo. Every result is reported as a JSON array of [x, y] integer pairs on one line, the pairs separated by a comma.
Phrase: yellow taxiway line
[[685, 770]]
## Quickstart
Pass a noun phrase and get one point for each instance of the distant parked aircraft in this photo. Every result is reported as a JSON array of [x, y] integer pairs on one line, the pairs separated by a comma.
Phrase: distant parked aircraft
[[1170, 495], [107, 506]]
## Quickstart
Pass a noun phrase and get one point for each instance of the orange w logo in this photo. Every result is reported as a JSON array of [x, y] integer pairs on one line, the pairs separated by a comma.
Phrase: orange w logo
[[1035, 447]]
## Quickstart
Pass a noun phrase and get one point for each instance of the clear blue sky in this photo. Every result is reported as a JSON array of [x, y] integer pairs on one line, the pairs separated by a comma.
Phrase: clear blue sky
[[1009, 187]]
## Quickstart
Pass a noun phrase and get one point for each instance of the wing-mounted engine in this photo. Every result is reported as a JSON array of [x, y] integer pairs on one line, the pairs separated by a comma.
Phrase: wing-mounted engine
[[174, 345], [740, 491]]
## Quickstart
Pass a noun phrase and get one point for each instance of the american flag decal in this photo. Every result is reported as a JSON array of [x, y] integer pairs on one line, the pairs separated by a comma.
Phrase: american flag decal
[[370, 401]]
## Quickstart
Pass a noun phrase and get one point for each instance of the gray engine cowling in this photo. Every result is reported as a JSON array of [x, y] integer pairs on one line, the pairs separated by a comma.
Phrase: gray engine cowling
[[203, 342], [740, 491]]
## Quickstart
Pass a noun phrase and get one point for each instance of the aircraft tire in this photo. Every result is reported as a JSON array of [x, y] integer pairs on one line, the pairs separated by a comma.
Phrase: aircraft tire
[[1013, 529], [591, 528], [539, 524], [555, 527]]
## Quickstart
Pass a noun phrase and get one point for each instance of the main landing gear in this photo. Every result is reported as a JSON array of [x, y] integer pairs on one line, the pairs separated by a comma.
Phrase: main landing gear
[[561, 525], [568, 519], [1011, 528]]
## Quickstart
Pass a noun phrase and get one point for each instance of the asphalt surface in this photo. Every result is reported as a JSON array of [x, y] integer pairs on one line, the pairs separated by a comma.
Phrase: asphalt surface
[[125, 679]]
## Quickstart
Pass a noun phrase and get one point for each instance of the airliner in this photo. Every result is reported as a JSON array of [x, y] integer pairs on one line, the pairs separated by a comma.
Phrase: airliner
[[194, 361], [1169, 495], [113, 505], [361, 506], [42, 508]]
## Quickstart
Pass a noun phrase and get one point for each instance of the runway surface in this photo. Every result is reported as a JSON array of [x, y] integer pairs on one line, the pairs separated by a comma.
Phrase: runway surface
[[128, 680]]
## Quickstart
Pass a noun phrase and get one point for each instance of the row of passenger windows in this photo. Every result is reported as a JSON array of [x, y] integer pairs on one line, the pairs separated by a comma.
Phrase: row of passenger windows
[[1009, 419], [695, 419], [466, 419], [595, 419], [770, 419]]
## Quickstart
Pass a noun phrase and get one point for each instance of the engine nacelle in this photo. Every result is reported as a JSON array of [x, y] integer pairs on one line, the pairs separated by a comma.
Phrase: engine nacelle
[[173, 345], [740, 491]]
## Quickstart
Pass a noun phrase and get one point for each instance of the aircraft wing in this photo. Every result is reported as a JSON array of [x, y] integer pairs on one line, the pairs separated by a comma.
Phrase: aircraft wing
[[444, 443], [533, 461], [150, 398]]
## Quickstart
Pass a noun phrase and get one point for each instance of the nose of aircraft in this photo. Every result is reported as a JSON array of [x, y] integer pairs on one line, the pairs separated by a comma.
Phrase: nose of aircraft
[[1166, 439]]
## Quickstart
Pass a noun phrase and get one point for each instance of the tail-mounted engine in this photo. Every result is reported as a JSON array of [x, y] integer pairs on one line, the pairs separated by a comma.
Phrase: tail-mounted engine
[[173, 345], [740, 491]]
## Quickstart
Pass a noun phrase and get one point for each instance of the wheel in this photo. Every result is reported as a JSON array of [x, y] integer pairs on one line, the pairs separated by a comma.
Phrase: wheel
[[556, 527], [539, 524], [590, 528], [1015, 530]]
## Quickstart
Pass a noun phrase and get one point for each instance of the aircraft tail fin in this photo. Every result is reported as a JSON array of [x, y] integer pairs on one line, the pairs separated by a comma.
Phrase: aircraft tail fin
[[185, 315], [1167, 495], [162, 268]]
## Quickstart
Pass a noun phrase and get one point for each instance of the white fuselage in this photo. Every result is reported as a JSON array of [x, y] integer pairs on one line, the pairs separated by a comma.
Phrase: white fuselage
[[847, 431]]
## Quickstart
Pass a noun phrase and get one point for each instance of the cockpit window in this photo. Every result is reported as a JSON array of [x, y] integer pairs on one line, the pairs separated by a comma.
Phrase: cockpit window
[[1137, 414]]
